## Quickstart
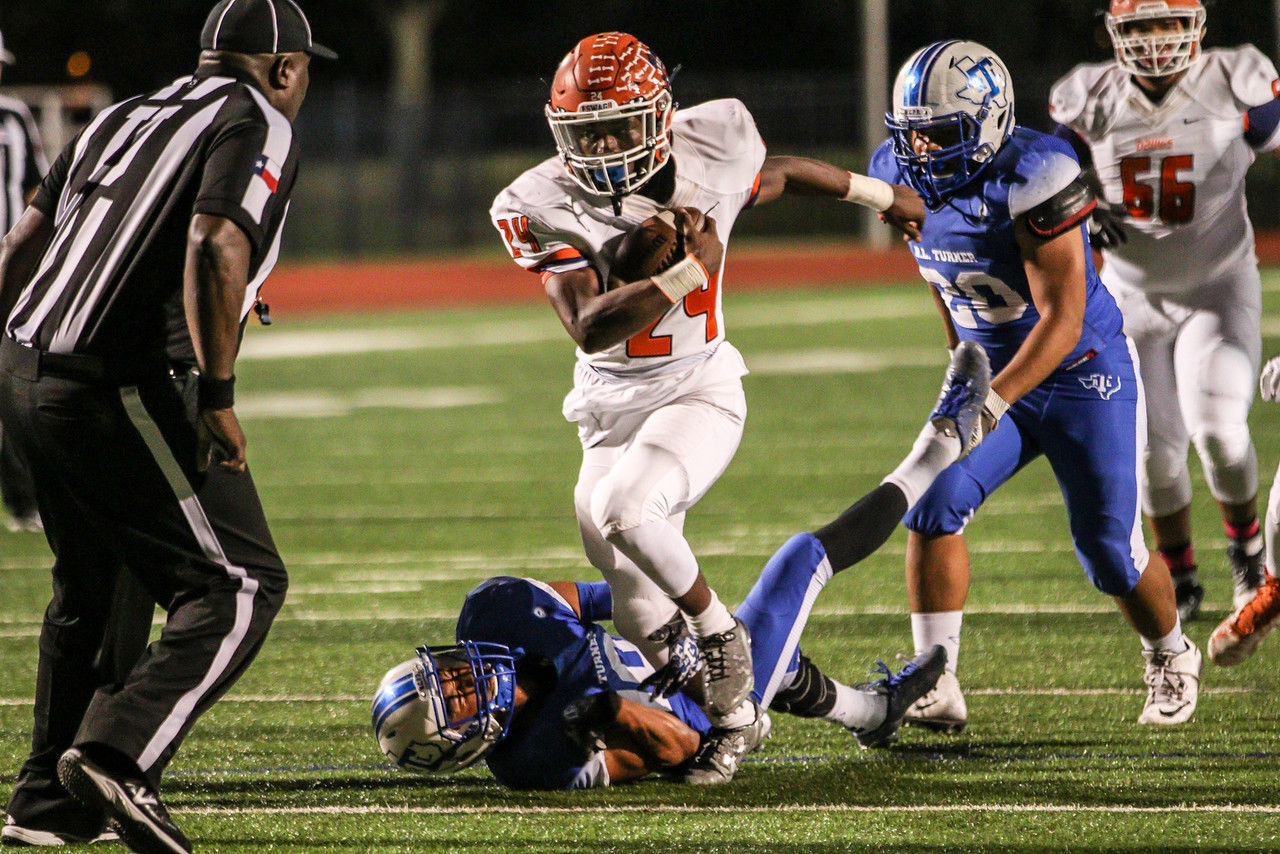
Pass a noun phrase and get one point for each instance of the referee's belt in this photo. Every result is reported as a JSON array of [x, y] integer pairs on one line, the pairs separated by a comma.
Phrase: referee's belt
[[32, 364]]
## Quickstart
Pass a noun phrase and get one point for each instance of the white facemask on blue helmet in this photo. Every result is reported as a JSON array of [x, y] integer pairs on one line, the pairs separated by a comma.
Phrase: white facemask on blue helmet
[[444, 709], [959, 95]]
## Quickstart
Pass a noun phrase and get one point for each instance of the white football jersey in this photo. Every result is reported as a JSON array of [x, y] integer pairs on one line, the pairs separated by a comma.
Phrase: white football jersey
[[550, 225], [1178, 166]]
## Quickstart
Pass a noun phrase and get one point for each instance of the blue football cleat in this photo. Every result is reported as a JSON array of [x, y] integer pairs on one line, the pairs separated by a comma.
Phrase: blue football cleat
[[916, 678], [964, 391]]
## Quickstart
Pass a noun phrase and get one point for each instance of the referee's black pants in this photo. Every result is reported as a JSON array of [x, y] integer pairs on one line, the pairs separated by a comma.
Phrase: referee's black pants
[[115, 474]]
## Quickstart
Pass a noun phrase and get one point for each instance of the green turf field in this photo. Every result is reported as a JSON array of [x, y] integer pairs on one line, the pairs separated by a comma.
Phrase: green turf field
[[429, 453]]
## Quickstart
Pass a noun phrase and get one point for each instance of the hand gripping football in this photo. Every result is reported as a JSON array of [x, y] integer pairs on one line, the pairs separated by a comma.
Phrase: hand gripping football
[[650, 248]]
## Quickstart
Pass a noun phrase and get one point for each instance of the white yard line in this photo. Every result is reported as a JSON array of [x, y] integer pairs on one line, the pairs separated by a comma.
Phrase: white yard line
[[324, 404], [691, 809]]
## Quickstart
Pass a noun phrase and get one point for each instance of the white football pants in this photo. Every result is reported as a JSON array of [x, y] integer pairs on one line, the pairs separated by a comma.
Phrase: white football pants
[[1199, 355], [632, 494]]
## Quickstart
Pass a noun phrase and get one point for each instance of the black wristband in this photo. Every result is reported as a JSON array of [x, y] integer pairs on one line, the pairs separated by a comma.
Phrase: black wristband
[[215, 394]]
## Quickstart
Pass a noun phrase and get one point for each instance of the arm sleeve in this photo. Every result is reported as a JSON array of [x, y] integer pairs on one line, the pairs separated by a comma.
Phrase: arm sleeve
[[244, 176], [595, 601], [1262, 126], [1063, 211], [55, 181]]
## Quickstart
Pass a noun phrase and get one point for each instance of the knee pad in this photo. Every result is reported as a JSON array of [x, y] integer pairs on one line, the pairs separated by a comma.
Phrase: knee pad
[[1224, 445], [1230, 462], [619, 504]]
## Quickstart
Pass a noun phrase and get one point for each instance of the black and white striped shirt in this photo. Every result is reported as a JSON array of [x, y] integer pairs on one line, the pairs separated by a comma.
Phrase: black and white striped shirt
[[22, 160], [122, 196]]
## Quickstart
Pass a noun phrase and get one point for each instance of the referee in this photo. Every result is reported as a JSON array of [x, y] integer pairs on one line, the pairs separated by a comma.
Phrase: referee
[[126, 285], [22, 165]]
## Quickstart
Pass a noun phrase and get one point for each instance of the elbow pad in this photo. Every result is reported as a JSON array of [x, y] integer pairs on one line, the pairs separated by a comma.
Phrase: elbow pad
[[1063, 211]]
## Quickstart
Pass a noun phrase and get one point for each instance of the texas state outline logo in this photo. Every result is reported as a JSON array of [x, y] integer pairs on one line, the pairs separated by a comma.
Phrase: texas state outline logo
[[1104, 384]]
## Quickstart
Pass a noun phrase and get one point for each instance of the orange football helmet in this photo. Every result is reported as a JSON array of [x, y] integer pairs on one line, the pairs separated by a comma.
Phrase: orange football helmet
[[1146, 48], [610, 113]]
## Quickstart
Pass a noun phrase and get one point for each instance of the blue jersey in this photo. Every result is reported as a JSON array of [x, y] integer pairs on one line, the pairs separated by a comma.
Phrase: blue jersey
[[967, 248], [578, 657]]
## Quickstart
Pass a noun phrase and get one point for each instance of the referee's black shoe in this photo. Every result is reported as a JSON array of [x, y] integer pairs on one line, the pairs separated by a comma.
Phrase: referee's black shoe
[[130, 801]]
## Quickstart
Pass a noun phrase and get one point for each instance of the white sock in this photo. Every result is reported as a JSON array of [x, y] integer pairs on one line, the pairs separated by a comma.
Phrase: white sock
[[932, 452], [857, 710], [941, 628], [1175, 642], [714, 620], [741, 716]]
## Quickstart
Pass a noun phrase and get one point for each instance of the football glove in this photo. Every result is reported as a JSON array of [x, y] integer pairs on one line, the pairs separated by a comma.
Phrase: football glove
[[683, 661], [1105, 226], [586, 719], [1269, 381]]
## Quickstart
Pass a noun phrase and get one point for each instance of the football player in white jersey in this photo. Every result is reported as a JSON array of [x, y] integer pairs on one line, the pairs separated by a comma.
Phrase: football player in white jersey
[[657, 394], [1170, 130]]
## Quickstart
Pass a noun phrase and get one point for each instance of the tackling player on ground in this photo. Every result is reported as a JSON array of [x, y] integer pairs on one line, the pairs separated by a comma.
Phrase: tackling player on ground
[[1168, 130], [657, 391], [1004, 250], [551, 700]]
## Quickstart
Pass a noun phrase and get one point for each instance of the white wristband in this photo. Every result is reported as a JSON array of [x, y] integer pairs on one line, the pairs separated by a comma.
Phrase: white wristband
[[682, 279], [872, 192], [995, 405]]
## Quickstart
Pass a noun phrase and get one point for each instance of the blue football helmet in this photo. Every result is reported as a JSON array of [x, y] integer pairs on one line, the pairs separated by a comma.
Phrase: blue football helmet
[[444, 709], [959, 95]]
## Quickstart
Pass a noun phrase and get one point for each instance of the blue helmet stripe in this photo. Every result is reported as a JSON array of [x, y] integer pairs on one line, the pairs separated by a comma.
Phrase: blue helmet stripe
[[393, 697], [920, 72]]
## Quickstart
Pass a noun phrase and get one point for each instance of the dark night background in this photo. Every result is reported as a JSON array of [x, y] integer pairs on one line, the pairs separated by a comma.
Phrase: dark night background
[[383, 176], [139, 44]]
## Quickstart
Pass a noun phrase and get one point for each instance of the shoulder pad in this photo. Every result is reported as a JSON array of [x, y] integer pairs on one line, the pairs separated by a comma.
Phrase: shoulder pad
[[1063, 211], [1252, 76]]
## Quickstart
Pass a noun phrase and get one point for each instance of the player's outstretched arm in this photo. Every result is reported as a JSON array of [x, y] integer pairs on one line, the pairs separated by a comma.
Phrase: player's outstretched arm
[[900, 206]]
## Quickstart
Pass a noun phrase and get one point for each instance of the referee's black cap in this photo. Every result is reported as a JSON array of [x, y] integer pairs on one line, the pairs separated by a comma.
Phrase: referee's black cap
[[260, 26]]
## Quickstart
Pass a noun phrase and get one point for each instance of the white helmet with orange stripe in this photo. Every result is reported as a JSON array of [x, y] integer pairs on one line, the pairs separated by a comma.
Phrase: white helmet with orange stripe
[[1156, 38]]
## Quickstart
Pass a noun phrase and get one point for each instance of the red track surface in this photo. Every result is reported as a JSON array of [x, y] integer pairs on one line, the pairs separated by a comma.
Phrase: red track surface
[[368, 286]]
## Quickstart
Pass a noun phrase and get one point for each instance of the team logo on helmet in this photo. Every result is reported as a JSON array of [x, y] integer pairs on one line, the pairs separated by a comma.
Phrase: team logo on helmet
[[985, 83]]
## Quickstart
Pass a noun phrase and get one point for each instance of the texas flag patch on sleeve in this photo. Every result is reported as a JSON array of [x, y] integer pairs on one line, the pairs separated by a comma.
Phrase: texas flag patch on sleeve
[[268, 171]]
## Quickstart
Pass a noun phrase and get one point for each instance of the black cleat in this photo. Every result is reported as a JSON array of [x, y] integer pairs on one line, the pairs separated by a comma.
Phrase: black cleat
[[916, 678], [1247, 569], [133, 805], [1188, 593]]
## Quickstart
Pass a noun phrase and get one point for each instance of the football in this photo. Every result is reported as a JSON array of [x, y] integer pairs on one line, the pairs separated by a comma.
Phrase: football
[[648, 249]]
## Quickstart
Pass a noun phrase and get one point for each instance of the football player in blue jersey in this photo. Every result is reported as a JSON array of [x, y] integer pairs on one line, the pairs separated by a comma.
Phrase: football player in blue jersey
[[1005, 251], [551, 700]]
